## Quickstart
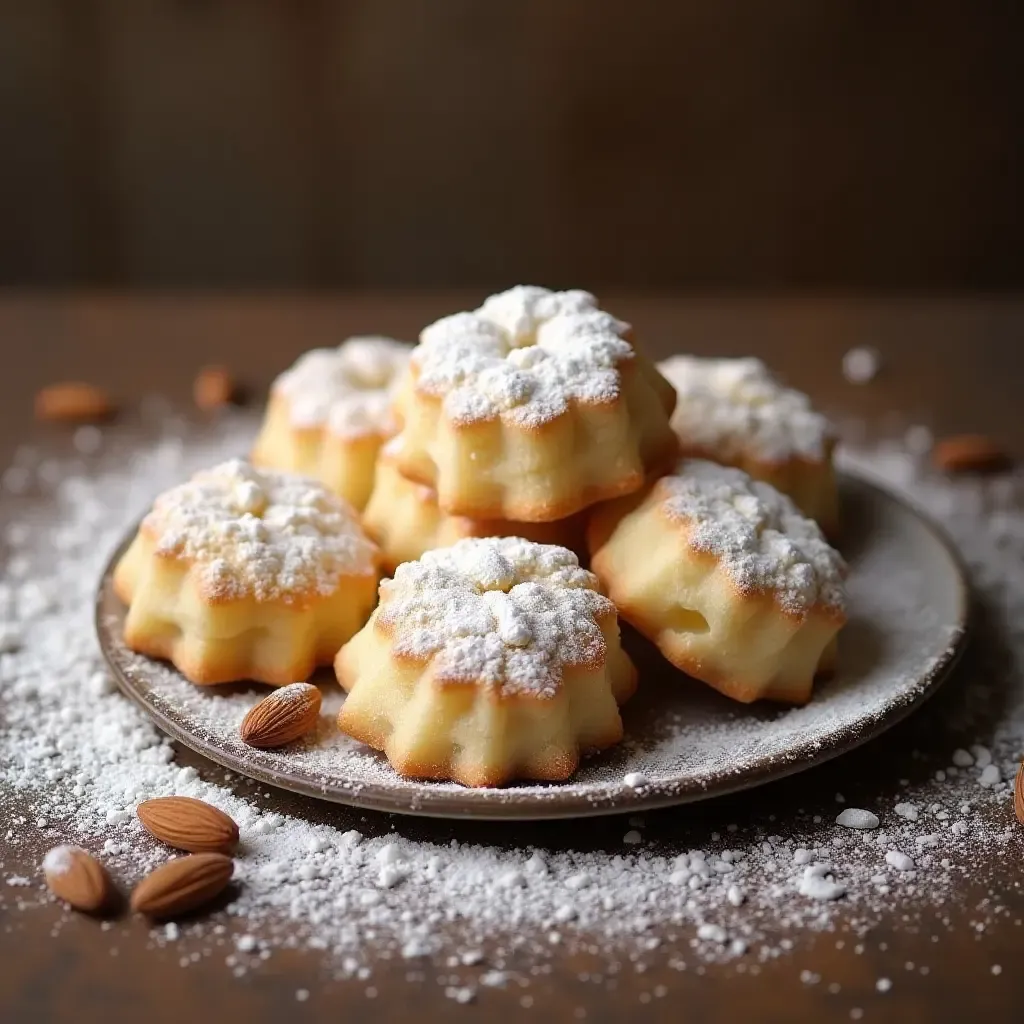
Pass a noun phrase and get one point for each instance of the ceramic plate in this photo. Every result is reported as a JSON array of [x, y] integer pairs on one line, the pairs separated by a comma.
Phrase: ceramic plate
[[684, 742]]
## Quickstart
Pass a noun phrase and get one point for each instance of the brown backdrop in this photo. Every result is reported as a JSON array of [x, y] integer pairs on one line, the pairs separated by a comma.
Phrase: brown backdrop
[[481, 142]]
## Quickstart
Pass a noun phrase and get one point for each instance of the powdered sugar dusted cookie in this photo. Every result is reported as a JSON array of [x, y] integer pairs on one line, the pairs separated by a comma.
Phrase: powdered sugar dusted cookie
[[330, 413], [732, 582], [531, 408], [735, 412], [247, 574], [405, 519], [491, 660]]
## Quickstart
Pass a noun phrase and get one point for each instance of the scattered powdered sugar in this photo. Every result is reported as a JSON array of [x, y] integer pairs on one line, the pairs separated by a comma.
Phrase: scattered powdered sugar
[[730, 409], [526, 355], [348, 389], [907, 810], [683, 739], [855, 817], [900, 861], [257, 533], [59, 860], [760, 537], [860, 365], [78, 756], [818, 882], [501, 612]]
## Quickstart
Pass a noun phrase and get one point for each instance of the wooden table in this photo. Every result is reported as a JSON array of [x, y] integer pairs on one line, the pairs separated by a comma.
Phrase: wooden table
[[953, 364]]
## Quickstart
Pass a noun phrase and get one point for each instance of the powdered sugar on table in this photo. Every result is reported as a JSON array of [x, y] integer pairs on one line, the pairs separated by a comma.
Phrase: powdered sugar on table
[[76, 758]]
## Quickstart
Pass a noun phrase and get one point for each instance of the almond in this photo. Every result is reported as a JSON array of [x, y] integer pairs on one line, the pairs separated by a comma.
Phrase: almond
[[188, 824], [1018, 794], [284, 716], [969, 453], [77, 878], [182, 885], [213, 388], [72, 402]]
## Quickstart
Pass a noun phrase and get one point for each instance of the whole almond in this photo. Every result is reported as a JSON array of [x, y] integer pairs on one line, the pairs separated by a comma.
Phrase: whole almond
[[72, 402], [213, 388], [188, 824], [77, 878], [284, 716], [969, 453], [1018, 794], [181, 885]]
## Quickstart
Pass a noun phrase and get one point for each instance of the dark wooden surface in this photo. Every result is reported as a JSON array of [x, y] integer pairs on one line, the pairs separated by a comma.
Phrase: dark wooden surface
[[410, 143], [954, 364]]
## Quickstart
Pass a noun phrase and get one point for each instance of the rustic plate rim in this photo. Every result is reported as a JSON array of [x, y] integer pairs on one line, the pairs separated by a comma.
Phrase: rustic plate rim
[[427, 801]]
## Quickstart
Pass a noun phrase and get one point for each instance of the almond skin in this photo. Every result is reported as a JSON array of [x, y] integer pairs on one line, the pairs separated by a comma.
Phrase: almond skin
[[213, 388], [282, 717], [188, 824], [969, 453], [72, 402], [77, 878], [182, 885], [1018, 794]]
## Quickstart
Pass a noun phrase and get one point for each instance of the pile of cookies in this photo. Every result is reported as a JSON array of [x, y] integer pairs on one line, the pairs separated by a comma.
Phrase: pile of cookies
[[477, 469]]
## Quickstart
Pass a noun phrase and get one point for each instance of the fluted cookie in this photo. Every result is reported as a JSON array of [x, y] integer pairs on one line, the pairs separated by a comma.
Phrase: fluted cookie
[[733, 583], [734, 411], [531, 408], [329, 414], [247, 574], [492, 660], [405, 520]]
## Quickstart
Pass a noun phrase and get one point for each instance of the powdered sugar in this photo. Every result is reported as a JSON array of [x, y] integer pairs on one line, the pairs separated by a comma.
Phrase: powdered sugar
[[730, 409], [761, 539], [73, 753], [899, 861], [521, 310], [525, 355], [502, 612], [856, 817], [818, 883], [683, 740], [250, 532], [860, 365], [59, 860], [348, 389]]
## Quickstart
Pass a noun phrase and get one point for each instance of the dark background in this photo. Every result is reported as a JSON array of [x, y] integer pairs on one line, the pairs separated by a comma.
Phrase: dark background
[[427, 143]]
